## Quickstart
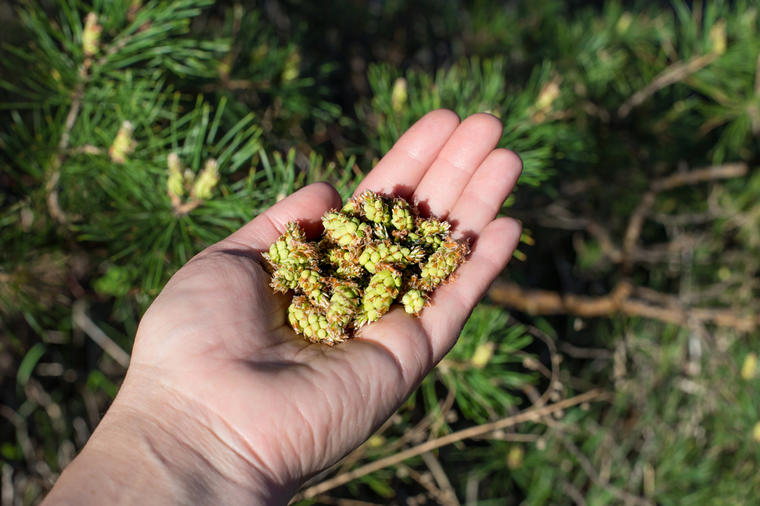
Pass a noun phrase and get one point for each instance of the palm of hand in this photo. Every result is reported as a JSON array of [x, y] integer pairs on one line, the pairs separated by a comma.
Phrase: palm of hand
[[217, 339]]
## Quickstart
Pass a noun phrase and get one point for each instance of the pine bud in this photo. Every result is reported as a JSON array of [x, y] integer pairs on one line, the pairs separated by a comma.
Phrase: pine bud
[[399, 95], [749, 366], [442, 263], [346, 262], [432, 232], [123, 144], [91, 34], [291, 68], [382, 289], [344, 230], [374, 252], [413, 301], [402, 217], [388, 253], [311, 283], [548, 94], [374, 208], [343, 304], [717, 37], [309, 320], [482, 355], [206, 180], [175, 183]]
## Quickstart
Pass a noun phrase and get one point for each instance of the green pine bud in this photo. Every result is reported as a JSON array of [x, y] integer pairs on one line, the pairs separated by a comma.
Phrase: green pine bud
[[388, 253], [413, 301], [382, 290], [91, 34], [402, 216], [432, 232], [123, 144], [311, 283], [345, 230], [309, 320], [373, 250], [374, 208], [442, 263], [206, 180], [343, 304], [345, 262], [291, 249], [175, 183]]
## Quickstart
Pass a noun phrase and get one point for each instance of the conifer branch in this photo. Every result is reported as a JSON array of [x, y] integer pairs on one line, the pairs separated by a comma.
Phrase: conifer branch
[[529, 415], [53, 173], [618, 301], [671, 75]]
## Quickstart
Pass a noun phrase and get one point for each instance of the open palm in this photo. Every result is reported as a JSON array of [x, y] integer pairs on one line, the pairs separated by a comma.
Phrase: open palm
[[216, 345]]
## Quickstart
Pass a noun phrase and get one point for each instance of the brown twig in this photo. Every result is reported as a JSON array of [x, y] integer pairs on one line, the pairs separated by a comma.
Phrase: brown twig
[[448, 495], [593, 475], [53, 172], [636, 221], [81, 320], [529, 415], [54, 168], [671, 75], [618, 301]]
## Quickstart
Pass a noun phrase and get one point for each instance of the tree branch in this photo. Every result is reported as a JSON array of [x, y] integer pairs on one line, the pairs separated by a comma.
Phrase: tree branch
[[671, 75], [529, 415], [618, 301]]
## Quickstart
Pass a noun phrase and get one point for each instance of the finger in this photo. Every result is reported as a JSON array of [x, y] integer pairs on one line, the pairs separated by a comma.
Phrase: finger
[[306, 206], [453, 302], [402, 168], [486, 192], [467, 147]]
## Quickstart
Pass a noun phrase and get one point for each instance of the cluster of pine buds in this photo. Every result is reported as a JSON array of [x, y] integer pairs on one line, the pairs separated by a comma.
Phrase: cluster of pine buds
[[374, 252]]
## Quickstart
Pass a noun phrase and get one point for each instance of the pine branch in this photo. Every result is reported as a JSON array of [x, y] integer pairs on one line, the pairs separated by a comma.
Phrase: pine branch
[[671, 75], [619, 301], [530, 415]]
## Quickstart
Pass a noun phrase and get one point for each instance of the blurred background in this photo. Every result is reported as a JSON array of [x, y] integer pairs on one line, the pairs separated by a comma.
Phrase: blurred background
[[613, 362]]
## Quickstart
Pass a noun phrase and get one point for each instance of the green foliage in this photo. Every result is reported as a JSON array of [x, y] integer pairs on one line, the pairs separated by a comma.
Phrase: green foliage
[[470, 87], [126, 150], [483, 370]]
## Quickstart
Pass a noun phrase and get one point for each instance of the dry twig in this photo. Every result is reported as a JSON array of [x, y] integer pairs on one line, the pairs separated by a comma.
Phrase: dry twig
[[618, 301], [529, 415], [81, 320], [671, 75]]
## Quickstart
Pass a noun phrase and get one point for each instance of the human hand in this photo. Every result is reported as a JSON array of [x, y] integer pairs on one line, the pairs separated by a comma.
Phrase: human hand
[[222, 398]]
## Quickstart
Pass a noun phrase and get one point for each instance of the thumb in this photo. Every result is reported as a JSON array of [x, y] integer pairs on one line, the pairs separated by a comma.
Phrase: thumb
[[306, 206]]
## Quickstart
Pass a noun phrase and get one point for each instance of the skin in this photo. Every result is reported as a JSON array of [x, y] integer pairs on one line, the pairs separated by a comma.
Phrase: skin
[[223, 403]]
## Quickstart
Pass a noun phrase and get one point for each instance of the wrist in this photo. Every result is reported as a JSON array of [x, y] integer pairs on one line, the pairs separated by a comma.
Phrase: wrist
[[159, 454]]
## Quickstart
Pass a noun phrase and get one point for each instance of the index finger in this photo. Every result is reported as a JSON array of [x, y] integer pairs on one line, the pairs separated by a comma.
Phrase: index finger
[[402, 168]]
